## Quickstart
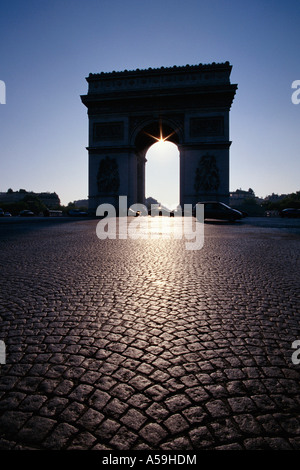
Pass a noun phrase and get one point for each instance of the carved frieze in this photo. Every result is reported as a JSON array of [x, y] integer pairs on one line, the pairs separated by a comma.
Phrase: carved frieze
[[108, 179], [108, 131], [207, 177], [207, 126]]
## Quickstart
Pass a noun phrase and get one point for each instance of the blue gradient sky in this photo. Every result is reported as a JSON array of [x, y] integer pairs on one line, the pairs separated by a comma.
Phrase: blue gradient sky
[[47, 48]]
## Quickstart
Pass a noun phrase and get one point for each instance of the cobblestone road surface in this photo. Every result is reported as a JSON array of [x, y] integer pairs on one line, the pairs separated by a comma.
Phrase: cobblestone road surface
[[141, 344]]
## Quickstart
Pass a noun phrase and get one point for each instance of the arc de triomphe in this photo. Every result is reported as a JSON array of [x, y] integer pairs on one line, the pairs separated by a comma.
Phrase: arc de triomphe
[[127, 110]]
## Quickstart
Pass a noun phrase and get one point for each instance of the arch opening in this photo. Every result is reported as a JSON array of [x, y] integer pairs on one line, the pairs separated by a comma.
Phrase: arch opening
[[162, 174], [157, 172]]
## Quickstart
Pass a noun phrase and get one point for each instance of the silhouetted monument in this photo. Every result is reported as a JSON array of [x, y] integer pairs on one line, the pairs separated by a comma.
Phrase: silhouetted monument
[[129, 110]]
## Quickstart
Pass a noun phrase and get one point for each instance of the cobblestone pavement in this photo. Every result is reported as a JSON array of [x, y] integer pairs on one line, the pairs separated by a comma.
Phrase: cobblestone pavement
[[141, 344]]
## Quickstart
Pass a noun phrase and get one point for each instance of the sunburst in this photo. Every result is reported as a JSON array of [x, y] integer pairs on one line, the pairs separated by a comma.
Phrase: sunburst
[[161, 139]]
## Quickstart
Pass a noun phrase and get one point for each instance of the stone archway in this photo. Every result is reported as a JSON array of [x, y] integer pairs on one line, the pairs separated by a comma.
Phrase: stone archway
[[129, 110]]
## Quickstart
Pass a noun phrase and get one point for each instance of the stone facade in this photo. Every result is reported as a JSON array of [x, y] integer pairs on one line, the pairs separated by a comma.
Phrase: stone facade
[[127, 110], [50, 200]]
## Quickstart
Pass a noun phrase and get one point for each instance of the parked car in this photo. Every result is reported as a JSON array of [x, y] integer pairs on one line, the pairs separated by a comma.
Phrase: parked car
[[132, 213], [77, 213], [290, 212], [1, 213], [7, 214], [219, 211], [244, 213], [26, 213]]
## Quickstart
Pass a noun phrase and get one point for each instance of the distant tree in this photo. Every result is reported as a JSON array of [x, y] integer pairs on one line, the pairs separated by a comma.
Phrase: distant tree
[[251, 207], [290, 200], [9, 191], [34, 203], [14, 207]]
